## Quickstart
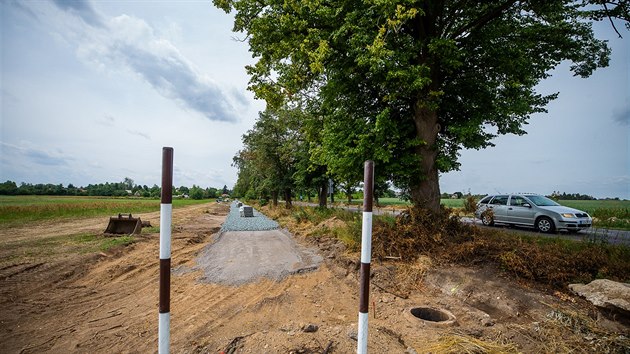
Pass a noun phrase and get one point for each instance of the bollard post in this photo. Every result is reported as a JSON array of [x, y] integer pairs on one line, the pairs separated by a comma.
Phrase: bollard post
[[366, 255], [166, 213]]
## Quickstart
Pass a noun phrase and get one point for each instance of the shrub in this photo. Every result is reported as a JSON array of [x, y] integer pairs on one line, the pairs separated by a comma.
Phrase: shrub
[[470, 204], [550, 261], [418, 231]]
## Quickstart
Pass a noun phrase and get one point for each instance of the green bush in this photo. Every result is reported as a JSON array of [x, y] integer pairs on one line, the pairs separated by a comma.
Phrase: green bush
[[196, 193]]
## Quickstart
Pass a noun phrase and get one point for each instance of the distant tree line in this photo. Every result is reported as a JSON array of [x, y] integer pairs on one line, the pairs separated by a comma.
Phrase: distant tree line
[[125, 188], [570, 196], [282, 159]]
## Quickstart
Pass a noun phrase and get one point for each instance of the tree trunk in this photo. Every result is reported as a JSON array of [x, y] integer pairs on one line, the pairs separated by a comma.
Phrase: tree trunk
[[323, 194], [349, 195], [274, 197], [425, 193], [287, 198]]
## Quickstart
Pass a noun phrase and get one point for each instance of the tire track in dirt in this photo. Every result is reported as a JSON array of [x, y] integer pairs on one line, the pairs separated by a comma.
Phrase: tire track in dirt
[[103, 299]]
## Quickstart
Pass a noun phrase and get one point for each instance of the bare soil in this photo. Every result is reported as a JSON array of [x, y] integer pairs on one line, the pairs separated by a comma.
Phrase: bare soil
[[67, 300]]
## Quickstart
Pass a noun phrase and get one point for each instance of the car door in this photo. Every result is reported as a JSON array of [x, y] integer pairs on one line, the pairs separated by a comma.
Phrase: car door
[[499, 208], [519, 211]]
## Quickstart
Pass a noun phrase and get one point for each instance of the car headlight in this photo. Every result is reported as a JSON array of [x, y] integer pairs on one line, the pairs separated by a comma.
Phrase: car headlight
[[568, 215]]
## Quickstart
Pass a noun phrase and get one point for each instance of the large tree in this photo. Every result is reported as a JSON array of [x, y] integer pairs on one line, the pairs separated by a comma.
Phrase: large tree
[[409, 83]]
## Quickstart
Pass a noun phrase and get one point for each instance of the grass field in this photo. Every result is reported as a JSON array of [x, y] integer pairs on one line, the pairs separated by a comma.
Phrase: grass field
[[17, 210]]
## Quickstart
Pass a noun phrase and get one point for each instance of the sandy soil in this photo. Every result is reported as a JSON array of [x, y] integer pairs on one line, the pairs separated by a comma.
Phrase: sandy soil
[[105, 303]]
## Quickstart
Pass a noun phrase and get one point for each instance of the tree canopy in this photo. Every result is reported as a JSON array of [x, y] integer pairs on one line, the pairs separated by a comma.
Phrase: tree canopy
[[409, 83]]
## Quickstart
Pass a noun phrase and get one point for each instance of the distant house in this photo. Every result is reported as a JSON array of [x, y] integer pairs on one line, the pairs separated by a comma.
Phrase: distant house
[[129, 191]]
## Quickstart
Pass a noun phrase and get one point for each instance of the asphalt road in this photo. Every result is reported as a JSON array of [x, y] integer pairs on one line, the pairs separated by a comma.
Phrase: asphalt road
[[589, 235]]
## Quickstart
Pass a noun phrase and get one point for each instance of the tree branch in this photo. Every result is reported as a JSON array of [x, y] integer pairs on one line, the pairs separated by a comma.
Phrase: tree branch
[[610, 18], [484, 19]]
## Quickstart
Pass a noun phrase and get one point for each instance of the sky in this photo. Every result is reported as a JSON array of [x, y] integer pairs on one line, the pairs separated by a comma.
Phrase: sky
[[92, 91]]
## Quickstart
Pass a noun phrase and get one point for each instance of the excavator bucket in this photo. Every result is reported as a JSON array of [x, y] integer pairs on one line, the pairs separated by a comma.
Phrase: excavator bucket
[[124, 224]]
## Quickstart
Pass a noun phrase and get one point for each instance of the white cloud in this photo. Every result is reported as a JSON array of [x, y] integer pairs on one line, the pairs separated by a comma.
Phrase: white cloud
[[131, 43]]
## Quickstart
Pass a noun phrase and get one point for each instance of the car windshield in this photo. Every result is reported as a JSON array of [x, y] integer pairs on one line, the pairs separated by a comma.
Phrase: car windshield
[[539, 200]]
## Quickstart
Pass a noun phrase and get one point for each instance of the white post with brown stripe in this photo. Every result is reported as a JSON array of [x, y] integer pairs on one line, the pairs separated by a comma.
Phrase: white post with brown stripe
[[166, 214], [366, 255]]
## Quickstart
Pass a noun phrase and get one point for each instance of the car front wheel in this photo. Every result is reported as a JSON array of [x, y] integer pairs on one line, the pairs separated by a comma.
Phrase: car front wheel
[[545, 224]]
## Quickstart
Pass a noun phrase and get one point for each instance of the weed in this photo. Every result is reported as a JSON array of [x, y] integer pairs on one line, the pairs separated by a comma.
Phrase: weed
[[470, 205], [151, 230], [301, 215], [583, 333], [83, 238], [349, 234], [546, 260], [417, 231], [112, 242]]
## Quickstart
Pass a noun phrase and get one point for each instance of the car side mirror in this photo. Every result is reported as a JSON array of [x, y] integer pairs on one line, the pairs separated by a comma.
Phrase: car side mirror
[[527, 205]]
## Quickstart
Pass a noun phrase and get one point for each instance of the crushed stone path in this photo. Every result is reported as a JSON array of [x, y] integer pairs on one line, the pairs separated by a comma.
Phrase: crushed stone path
[[239, 257]]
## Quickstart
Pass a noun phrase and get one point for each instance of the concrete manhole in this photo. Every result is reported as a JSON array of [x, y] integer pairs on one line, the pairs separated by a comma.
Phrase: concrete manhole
[[430, 316]]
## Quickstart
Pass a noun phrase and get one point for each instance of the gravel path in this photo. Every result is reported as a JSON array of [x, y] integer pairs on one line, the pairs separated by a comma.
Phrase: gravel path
[[250, 248], [240, 257], [259, 222]]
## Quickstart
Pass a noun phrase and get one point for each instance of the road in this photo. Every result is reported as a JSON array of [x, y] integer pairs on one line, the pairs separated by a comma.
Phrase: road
[[591, 234]]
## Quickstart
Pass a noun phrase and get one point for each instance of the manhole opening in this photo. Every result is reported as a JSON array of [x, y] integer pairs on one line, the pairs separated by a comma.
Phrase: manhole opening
[[430, 314]]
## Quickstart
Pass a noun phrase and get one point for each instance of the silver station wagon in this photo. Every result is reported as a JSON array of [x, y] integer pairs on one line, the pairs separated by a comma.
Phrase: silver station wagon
[[531, 210]]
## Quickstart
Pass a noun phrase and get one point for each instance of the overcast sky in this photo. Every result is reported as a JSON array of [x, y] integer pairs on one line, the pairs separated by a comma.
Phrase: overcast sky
[[92, 91]]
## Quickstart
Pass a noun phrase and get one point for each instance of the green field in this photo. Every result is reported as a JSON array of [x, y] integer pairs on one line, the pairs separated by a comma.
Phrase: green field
[[18, 210], [451, 203]]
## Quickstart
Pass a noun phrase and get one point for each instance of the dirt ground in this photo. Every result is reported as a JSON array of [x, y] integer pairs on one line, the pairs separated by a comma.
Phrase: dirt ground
[[108, 302]]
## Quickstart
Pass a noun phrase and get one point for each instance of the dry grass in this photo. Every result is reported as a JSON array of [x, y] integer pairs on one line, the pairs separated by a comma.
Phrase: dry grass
[[462, 344], [550, 261], [412, 274], [566, 331]]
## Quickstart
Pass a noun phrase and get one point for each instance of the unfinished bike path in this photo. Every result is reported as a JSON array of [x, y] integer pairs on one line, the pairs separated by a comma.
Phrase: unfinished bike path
[[250, 248]]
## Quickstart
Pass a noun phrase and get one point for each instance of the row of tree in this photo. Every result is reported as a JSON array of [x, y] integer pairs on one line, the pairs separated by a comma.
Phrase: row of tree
[[570, 196], [281, 158], [406, 84], [116, 189]]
